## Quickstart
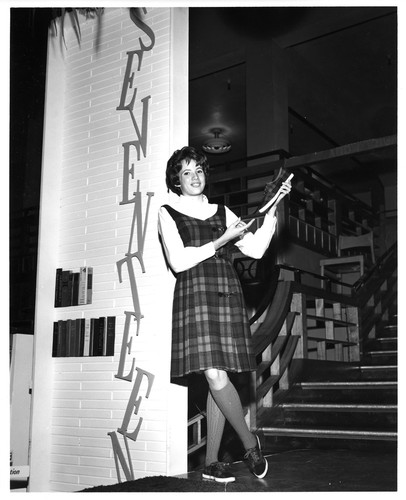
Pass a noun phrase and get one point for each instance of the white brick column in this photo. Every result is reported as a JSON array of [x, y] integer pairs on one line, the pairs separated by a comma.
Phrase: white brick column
[[77, 401]]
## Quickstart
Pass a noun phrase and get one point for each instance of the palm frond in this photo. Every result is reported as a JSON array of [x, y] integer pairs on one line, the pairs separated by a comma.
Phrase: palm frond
[[73, 12]]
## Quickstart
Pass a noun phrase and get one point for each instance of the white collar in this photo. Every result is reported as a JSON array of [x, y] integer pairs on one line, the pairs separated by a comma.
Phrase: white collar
[[186, 201]]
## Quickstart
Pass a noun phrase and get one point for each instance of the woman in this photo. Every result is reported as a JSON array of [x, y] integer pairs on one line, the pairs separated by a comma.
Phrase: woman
[[211, 332]]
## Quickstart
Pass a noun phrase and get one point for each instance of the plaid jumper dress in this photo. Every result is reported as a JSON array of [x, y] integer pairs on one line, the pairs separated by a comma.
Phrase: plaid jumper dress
[[210, 327]]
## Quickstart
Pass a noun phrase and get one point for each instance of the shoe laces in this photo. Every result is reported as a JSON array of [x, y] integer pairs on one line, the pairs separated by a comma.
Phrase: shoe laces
[[222, 466], [253, 454]]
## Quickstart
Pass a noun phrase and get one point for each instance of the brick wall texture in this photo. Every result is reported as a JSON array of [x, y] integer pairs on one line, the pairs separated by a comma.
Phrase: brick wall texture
[[88, 401]]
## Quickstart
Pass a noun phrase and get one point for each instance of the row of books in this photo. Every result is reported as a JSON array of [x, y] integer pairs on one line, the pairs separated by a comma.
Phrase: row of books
[[73, 288], [84, 337]]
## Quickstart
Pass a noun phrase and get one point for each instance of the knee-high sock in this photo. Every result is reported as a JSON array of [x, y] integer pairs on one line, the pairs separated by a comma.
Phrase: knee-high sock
[[229, 402], [215, 428]]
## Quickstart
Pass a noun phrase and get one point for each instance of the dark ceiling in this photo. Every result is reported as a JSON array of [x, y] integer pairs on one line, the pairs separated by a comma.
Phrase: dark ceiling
[[342, 83], [342, 78]]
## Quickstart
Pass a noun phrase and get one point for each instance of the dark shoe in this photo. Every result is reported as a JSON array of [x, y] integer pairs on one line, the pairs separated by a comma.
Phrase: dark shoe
[[217, 471], [272, 188], [257, 463]]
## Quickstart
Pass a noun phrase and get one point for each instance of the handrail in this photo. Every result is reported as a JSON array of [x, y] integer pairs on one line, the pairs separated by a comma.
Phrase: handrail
[[358, 296], [267, 298], [277, 331], [388, 256], [299, 272], [278, 310], [325, 210], [342, 192], [285, 289], [319, 210]]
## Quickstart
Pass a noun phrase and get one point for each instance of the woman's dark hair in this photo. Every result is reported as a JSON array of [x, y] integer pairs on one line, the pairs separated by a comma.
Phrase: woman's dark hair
[[174, 166]]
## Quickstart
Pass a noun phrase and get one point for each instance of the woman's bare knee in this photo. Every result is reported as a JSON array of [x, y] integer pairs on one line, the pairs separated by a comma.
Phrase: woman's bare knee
[[216, 378]]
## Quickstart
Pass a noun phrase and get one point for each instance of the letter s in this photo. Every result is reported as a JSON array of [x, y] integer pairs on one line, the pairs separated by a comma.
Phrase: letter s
[[145, 28]]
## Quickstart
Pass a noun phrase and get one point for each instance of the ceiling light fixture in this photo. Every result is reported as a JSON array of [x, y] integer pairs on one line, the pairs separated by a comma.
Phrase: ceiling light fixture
[[217, 144]]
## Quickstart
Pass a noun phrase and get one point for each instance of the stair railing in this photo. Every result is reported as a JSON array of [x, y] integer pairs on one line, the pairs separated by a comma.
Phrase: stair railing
[[327, 330], [196, 438], [375, 292], [318, 210], [303, 322]]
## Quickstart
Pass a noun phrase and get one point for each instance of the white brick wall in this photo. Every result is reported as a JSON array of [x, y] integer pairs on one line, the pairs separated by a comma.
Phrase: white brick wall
[[85, 400]]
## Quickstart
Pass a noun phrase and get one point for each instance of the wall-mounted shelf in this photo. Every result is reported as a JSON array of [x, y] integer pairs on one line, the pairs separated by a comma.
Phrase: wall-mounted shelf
[[84, 337], [73, 288]]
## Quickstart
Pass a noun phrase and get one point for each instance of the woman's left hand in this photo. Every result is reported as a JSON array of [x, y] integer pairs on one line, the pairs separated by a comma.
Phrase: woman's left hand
[[285, 189]]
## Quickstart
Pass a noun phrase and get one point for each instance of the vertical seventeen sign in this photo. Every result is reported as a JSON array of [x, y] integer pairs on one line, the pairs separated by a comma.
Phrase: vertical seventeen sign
[[132, 152]]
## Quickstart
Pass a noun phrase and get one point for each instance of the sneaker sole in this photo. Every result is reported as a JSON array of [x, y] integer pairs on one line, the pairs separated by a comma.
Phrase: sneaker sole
[[260, 476], [218, 479]]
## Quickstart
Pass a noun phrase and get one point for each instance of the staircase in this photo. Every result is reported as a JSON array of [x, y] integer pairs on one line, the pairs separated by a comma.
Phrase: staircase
[[339, 405], [347, 397]]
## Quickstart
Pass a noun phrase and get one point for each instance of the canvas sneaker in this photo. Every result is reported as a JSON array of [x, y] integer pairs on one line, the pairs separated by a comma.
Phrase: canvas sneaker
[[257, 463], [218, 471]]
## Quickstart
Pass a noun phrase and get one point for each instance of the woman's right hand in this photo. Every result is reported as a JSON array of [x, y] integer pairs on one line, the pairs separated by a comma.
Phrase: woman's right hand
[[235, 230]]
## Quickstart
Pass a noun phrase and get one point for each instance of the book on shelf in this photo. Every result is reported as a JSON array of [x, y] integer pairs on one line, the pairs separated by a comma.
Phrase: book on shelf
[[86, 342], [58, 287], [55, 340], [110, 335], [81, 337], [73, 288], [84, 337], [62, 343], [75, 338], [98, 336], [69, 338], [89, 285], [91, 337], [65, 292], [82, 292]]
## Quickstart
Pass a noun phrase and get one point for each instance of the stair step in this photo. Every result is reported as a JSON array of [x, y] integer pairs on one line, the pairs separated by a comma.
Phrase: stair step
[[382, 343], [339, 407], [344, 412], [378, 367], [335, 415], [341, 397], [356, 372], [376, 361], [386, 331], [329, 433], [383, 372], [381, 352], [359, 384]]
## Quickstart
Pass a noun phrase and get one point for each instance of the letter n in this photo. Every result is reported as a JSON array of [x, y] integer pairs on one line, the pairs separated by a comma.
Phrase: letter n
[[119, 457]]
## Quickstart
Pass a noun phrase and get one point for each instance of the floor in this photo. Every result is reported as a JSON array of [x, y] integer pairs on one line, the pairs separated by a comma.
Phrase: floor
[[309, 470]]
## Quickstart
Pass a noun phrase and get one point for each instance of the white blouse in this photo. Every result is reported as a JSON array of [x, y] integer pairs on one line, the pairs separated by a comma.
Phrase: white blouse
[[182, 258]]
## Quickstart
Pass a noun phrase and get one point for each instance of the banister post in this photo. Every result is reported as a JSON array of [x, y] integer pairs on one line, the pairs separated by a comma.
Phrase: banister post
[[299, 328], [353, 333]]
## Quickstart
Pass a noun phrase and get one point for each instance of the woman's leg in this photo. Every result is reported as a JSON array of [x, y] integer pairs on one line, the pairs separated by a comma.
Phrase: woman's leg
[[228, 400], [215, 428]]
